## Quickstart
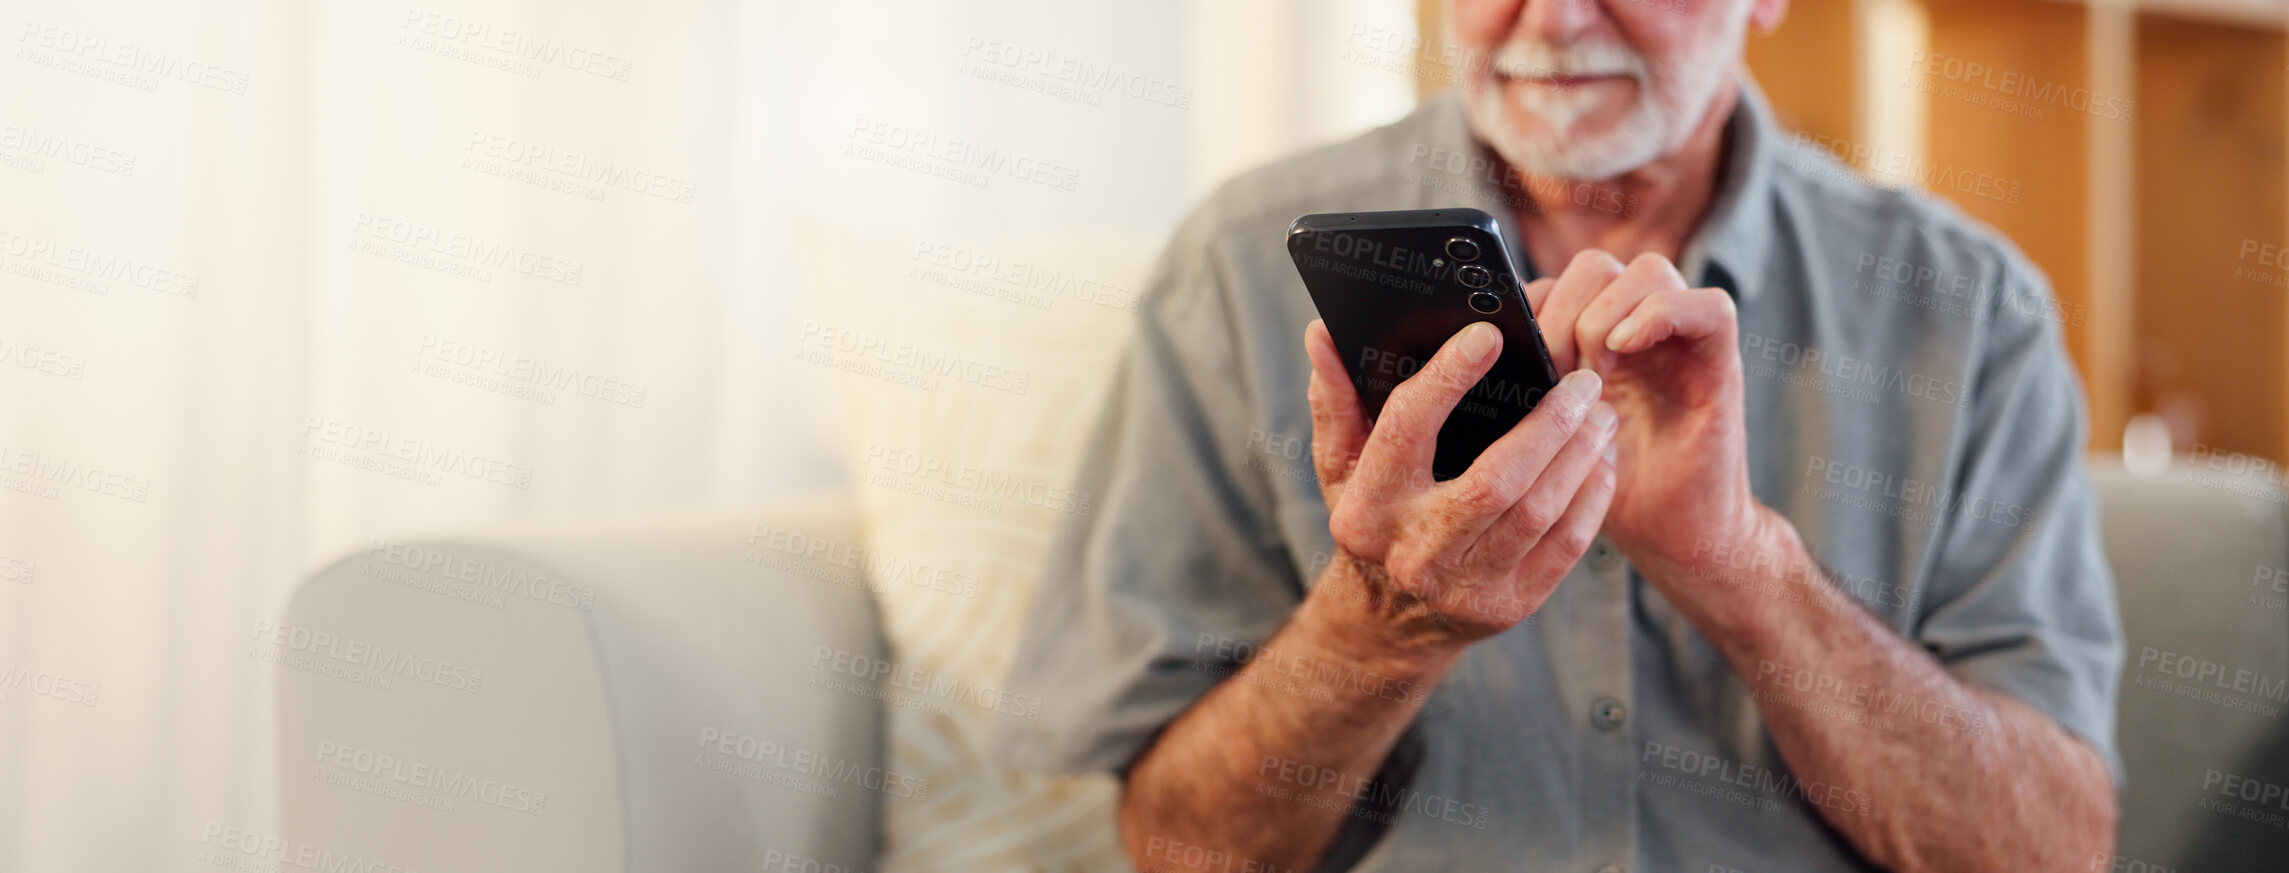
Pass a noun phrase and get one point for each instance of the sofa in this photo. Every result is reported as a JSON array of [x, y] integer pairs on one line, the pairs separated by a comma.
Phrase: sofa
[[712, 692]]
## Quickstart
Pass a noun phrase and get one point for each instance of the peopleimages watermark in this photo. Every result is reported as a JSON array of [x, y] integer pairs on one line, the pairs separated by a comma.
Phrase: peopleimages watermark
[[2237, 473], [87, 270], [1287, 457], [1844, 375], [1904, 167], [1757, 571], [42, 360], [1380, 369], [1372, 258], [984, 273], [31, 149], [521, 376], [1457, 172], [1723, 775], [392, 453], [481, 575], [18, 678], [454, 253], [420, 783], [508, 50], [851, 566], [2009, 91], [1440, 62], [2106, 861], [1854, 702], [1906, 497], [16, 569], [1446, 602], [1317, 678], [570, 171], [760, 760], [777, 861], [356, 661], [963, 482], [47, 476], [920, 366], [2247, 798], [2270, 587], [1954, 293], [910, 686], [1360, 797], [255, 851], [133, 64], [2272, 258], [906, 147], [1063, 76], [2197, 678], [1192, 858]]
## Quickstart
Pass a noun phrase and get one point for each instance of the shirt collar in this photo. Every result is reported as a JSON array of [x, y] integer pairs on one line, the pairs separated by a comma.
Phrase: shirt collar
[[1732, 246]]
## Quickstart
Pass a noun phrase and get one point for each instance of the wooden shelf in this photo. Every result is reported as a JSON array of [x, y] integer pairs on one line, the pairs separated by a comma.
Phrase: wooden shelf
[[2147, 142]]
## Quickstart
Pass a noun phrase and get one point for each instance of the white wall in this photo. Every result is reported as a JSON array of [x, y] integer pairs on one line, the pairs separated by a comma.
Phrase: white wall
[[172, 461]]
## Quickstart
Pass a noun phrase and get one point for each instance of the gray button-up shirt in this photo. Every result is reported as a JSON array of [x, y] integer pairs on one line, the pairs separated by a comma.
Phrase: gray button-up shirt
[[1910, 408]]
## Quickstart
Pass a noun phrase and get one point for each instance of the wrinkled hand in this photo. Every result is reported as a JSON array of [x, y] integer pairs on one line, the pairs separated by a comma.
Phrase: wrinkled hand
[[1434, 565], [1670, 357]]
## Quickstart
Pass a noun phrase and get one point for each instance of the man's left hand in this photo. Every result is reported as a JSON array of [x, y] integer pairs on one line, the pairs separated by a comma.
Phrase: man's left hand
[[1670, 358]]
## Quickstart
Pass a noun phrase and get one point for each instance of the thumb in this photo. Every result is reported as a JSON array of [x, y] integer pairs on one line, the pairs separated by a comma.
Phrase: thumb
[[1338, 423]]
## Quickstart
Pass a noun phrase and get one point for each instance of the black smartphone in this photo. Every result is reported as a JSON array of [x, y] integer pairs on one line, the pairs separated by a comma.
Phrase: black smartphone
[[1395, 286]]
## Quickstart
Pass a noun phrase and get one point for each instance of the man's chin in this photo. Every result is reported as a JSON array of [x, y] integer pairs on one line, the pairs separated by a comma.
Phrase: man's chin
[[1585, 153], [1593, 144]]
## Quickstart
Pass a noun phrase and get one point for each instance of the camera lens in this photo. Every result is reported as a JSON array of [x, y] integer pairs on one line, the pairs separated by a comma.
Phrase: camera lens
[[1462, 249], [1473, 276], [1486, 302]]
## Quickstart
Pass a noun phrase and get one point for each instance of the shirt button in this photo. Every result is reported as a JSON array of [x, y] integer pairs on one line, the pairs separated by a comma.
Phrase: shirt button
[[1607, 713], [1602, 554]]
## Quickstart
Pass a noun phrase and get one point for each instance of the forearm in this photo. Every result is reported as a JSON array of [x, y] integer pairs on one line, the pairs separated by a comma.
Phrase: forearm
[[1934, 774], [1260, 774]]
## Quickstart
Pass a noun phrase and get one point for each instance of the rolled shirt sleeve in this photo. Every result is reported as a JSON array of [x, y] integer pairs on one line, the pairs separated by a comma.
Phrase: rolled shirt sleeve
[[1143, 602], [2021, 600]]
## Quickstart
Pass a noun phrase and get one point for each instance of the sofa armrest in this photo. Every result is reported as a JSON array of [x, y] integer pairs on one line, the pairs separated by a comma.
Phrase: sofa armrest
[[593, 695], [2200, 561]]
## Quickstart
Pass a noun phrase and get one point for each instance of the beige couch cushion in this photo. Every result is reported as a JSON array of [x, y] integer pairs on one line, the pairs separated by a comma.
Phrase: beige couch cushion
[[968, 372]]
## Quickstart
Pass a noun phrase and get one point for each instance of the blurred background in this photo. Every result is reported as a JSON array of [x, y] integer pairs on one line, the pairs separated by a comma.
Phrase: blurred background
[[286, 282]]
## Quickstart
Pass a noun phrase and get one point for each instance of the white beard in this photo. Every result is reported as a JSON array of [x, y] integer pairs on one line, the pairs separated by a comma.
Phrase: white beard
[[1671, 99]]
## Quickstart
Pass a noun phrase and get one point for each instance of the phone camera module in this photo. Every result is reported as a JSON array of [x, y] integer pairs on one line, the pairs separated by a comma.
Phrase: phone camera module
[[1486, 302], [1473, 276], [1462, 249]]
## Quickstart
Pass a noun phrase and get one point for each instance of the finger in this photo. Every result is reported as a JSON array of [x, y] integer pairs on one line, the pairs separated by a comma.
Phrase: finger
[[1338, 424], [1691, 313], [1647, 275], [1537, 291], [1508, 468], [1505, 542], [1559, 548], [1406, 436], [1589, 273]]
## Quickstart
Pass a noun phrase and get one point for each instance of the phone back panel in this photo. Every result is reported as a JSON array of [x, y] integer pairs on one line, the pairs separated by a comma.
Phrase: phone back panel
[[1392, 293]]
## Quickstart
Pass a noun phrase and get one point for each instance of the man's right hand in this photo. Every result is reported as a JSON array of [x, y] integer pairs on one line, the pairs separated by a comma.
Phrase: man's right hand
[[1422, 570], [1434, 566]]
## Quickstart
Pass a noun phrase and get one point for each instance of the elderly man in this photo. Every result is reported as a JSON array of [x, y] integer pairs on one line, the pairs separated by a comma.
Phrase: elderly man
[[1797, 569]]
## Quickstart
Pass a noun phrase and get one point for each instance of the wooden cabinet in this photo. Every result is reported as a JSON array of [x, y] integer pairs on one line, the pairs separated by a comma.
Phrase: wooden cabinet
[[2134, 150]]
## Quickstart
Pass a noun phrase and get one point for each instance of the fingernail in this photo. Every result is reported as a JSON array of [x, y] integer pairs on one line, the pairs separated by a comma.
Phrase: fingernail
[[1603, 418], [1581, 385], [1477, 340], [1620, 337], [1613, 453]]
